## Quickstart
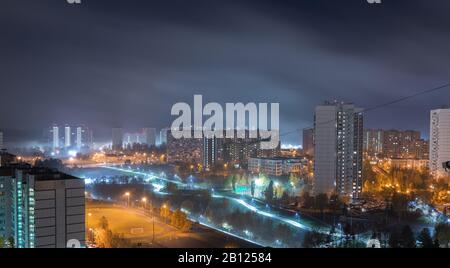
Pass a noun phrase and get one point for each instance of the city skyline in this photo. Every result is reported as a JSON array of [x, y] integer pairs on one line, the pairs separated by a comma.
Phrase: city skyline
[[237, 124]]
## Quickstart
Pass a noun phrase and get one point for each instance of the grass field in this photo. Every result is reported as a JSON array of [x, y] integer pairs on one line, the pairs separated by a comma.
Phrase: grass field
[[122, 220]]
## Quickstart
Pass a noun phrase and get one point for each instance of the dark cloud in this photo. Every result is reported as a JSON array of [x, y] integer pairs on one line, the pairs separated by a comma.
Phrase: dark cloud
[[125, 63]]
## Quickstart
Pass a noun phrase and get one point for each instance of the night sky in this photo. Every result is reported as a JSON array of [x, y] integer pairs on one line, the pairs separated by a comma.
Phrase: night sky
[[109, 63]]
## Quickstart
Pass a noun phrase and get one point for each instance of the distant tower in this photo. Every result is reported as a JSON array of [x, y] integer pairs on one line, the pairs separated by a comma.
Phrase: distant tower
[[79, 137], [54, 131], [83, 137], [338, 137], [67, 136]]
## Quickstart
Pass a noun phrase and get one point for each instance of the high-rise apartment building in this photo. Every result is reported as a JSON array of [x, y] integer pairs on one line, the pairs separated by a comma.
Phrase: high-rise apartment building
[[439, 141], [395, 144], [7, 172], [276, 166], [72, 137], [338, 138], [54, 135], [83, 137], [238, 150], [41, 208], [67, 137], [209, 152], [49, 209], [233, 151], [373, 142], [401, 144]]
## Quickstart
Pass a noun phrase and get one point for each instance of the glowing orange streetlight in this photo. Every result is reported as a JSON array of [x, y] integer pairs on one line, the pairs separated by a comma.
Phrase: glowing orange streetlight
[[127, 194]]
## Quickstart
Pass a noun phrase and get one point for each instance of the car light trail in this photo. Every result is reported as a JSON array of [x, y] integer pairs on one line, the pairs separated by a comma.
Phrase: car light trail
[[265, 213]]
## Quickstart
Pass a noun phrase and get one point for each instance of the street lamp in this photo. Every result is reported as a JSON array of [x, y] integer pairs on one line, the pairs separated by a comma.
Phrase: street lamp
[[91, 234], [144, 200], [127, 194], [153, 220], [87, 221]]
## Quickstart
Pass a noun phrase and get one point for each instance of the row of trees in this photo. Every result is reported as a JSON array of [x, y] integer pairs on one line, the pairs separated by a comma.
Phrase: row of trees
[[6, 243], [405, 181], [177, 218], [322, 202], [105, 238], [406, 239], [251, 224], [401, 178]]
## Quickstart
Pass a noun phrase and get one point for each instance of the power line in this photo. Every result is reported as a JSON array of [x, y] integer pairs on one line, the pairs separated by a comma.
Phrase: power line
[[376, 107]]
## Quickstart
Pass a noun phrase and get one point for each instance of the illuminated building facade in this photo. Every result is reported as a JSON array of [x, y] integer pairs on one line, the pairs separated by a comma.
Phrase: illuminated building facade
[[184, 149], [67, 137], [276, 166], [54, 136], [439, 141], [209, 152], [395, 144], [48, 208], [338, 137]]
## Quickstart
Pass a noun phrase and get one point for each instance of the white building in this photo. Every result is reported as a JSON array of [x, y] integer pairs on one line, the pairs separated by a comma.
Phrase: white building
[[67, 137], [54, 131], [338, 130], [439, 141], [276, 166]]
